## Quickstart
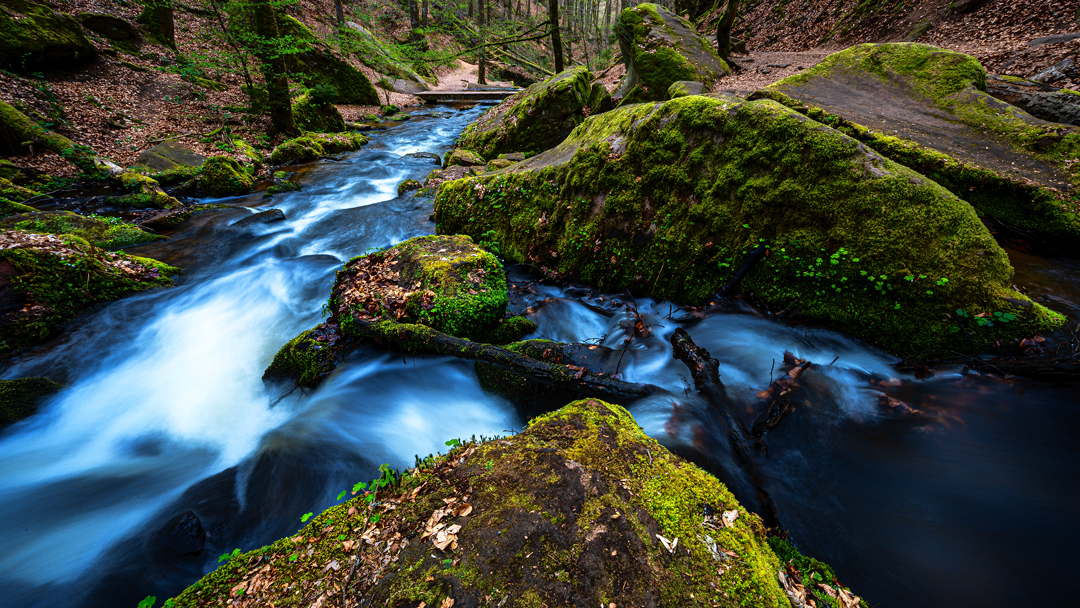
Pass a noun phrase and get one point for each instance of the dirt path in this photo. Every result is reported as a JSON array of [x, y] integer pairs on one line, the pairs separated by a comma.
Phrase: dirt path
[[759, 70]]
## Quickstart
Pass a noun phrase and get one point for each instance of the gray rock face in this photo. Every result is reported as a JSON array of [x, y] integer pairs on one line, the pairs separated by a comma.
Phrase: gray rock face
[[169, 155], [683, 88], [1065, 68], [1038, 99]]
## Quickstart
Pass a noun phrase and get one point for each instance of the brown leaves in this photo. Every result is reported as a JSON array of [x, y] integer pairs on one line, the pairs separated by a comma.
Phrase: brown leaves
[[444, 536]]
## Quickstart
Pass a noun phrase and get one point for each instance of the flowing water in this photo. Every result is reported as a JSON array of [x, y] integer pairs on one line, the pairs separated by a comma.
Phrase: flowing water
[[964, 496]]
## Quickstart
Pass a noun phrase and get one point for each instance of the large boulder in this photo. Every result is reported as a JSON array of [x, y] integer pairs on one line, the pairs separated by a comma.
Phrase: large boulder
[[927, 108], [539, 117], [670, 199], [660, 48], [168, 155], [46, 279], [109, 233], [311, 146], [318, 64], [222, 176], [579, 509], [35, 37], [444, 282], [117, 31]]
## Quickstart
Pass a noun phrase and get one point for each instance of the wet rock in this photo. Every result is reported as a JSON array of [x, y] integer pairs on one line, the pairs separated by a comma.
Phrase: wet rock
[[21, 398], [440, 176], [682, 88], [181, 536], [408, 186], [168, 155], [537, 118], [163, 219], [35, 37], [660, 48], [222, 176], [426, 156], [315, 145], [1066, 68], [927, 108], [258, 219], [832, 212], [144, 192]]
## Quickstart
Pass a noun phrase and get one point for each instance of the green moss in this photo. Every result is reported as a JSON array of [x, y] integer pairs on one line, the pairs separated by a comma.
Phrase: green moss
[[280, 186], [463, 157], [176, 175], [105, 232], [8, 207], [408, 185], [145, 192], [58, 280], [570, 507], [303, 359], [535, 119], [318, 64], [16, 127], [34, 36], [15, 193], [318, 117], [20, 398], [509, 330], [311, 146], [222, 176], [670, 199], [255, 158]]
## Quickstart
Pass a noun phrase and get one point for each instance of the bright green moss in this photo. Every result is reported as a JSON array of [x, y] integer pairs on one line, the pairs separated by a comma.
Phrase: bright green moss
[[669, 200], [105, 232], [9, 207], [311, 115], [176, 175], [319, 65], [311, 146], [408, 186], [222, 176], [34, 36], [302, 359], [15, 193]]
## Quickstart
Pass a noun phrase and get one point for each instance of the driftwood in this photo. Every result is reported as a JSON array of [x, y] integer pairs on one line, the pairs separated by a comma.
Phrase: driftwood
[[773, 400], [756, 254], [704, 370], [424, 339]]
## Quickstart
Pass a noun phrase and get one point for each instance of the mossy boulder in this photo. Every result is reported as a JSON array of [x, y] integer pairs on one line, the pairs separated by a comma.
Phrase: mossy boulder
[[408, 186], [45, 280], [157, 16], [311, 115], [144, 192], [309, 357], [10, 207], [464, 158], [537, 118], [168, 155], [15, 193], [580, 508], [660, 48], [254, 157], [671, 198], [106, 232], [444, 282], [498, 163], [20, 398], [927, 108], [311, 146], [117, 31], [35, 37], [682, 88], [318, 64], [222, 176]]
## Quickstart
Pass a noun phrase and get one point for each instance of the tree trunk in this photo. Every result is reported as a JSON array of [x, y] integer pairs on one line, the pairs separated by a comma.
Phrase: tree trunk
[[425, 20], [723, 30], [339, 10], [556, 38], [414, 25], [482, 67], [272, 64]]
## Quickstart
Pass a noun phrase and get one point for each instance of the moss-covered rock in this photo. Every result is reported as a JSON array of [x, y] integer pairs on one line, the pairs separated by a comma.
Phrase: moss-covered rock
[[309, 357], [379, 56], [20, 398], [17, 128], [670, 199], [535, 119], [408, 186], [311, 146], [581, 508], [10, 207], [157, 17], [311, 115], [144, 192], [254, 157], [105, 232], [682, 88], [49, 279], [464, 158], [318, 64], [222, 176], [35, 37], [660, 48], [444, 282], [168, 155], [498, 163], [15, 193], [120, 34], [926, 108]]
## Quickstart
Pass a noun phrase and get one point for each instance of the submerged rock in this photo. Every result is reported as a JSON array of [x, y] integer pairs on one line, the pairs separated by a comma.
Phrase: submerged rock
[[46, 280], [35, 37], [311, 146], [659, 49], [926, 108], [581, 508], [671, 199], [20, 398], [539, 117], [108, 233]]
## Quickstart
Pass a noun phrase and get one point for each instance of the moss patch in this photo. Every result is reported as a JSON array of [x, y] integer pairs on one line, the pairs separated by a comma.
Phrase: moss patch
[[670, 199], [311, 146], [20, 398], [222, 176], [311, 115], [33, 36], [105, 232], [318, 64]]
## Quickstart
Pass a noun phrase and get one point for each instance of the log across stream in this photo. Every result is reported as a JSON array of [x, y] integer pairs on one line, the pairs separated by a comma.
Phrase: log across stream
[[166, 450]]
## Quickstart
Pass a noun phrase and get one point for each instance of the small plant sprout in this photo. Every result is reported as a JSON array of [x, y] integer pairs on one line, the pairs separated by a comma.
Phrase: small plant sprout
[[342, 495], [228, 556], [306, 517]]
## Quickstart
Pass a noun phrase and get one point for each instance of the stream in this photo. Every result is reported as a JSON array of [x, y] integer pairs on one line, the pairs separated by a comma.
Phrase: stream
[[964, 497]]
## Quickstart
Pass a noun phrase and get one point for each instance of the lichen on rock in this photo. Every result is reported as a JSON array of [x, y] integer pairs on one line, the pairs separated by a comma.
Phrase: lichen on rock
[[580, 508], [660, 48], [670, 199], [537, 118]]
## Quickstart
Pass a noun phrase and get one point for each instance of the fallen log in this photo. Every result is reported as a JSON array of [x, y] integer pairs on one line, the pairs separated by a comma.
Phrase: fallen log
[[420, 338], [773, 402], [705, 372]]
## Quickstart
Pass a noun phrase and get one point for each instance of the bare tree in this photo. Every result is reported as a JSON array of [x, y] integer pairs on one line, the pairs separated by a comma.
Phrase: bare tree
[[556, 37], [723, 30]]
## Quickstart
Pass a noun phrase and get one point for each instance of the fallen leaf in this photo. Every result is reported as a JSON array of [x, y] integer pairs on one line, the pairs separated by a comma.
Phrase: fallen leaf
[[447, 603]]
